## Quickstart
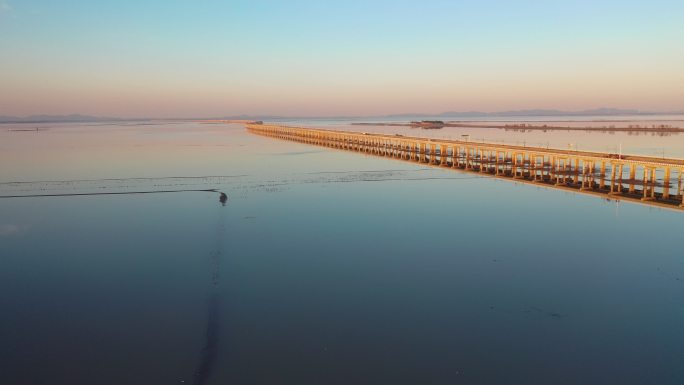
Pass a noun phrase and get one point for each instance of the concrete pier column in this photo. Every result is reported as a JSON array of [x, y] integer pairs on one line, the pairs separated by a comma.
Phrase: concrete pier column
[[560, 171], [585, 175], [679, 186], [504, 163], [645, 192], [620, 174], [496, 163], [488, 160], [602, 175], [514, 165], [482, 161], [666, 183], [616, 187], [653, 182], [539, 168], [468, 165], [532, 166], [588, 173], [546, 170]]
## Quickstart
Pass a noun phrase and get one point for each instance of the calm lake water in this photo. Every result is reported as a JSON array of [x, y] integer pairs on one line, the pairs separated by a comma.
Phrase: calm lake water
[[324, 267]]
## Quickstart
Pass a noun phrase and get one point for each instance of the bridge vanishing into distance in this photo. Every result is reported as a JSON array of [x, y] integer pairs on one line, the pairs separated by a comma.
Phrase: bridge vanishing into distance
[[649, 180]]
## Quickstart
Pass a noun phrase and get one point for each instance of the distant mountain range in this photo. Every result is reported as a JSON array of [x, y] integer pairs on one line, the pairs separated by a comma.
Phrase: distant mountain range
[[451, 114]]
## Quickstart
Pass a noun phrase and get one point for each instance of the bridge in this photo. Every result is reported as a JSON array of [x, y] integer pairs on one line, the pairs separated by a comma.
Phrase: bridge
[[649, 180]]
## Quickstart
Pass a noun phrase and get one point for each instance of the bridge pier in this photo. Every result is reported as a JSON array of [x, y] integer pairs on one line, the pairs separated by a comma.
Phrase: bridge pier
[[680, 193], [616, 179], [602, 184], [666, 184], [649, 184]]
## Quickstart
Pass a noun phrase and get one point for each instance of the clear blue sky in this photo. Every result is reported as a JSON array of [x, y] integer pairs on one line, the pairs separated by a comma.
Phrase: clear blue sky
[[214, 58]]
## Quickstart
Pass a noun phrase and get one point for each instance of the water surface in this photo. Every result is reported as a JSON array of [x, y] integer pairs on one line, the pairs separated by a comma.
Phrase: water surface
[[324, 267]]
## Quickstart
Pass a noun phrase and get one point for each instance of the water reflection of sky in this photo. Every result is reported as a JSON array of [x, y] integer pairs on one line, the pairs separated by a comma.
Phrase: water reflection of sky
[[336, 268]]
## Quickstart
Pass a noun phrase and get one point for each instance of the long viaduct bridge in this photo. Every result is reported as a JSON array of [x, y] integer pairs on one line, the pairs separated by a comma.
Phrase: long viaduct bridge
[[650, 180]]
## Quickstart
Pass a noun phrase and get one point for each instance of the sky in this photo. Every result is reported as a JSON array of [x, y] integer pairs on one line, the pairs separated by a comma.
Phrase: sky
[[333, 58]]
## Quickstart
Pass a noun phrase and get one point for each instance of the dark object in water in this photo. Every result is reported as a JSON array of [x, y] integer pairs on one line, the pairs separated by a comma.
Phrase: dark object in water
[[223, 198]]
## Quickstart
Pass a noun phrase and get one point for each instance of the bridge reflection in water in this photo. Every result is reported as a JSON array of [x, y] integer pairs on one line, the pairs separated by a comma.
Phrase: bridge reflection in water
[[650, 180]]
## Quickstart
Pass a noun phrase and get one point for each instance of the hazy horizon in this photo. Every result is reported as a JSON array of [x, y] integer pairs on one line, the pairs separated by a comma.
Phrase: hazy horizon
[[353, 58]]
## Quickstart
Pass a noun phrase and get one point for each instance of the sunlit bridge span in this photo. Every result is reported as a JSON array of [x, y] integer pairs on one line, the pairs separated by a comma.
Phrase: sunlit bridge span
[[649, 180]]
